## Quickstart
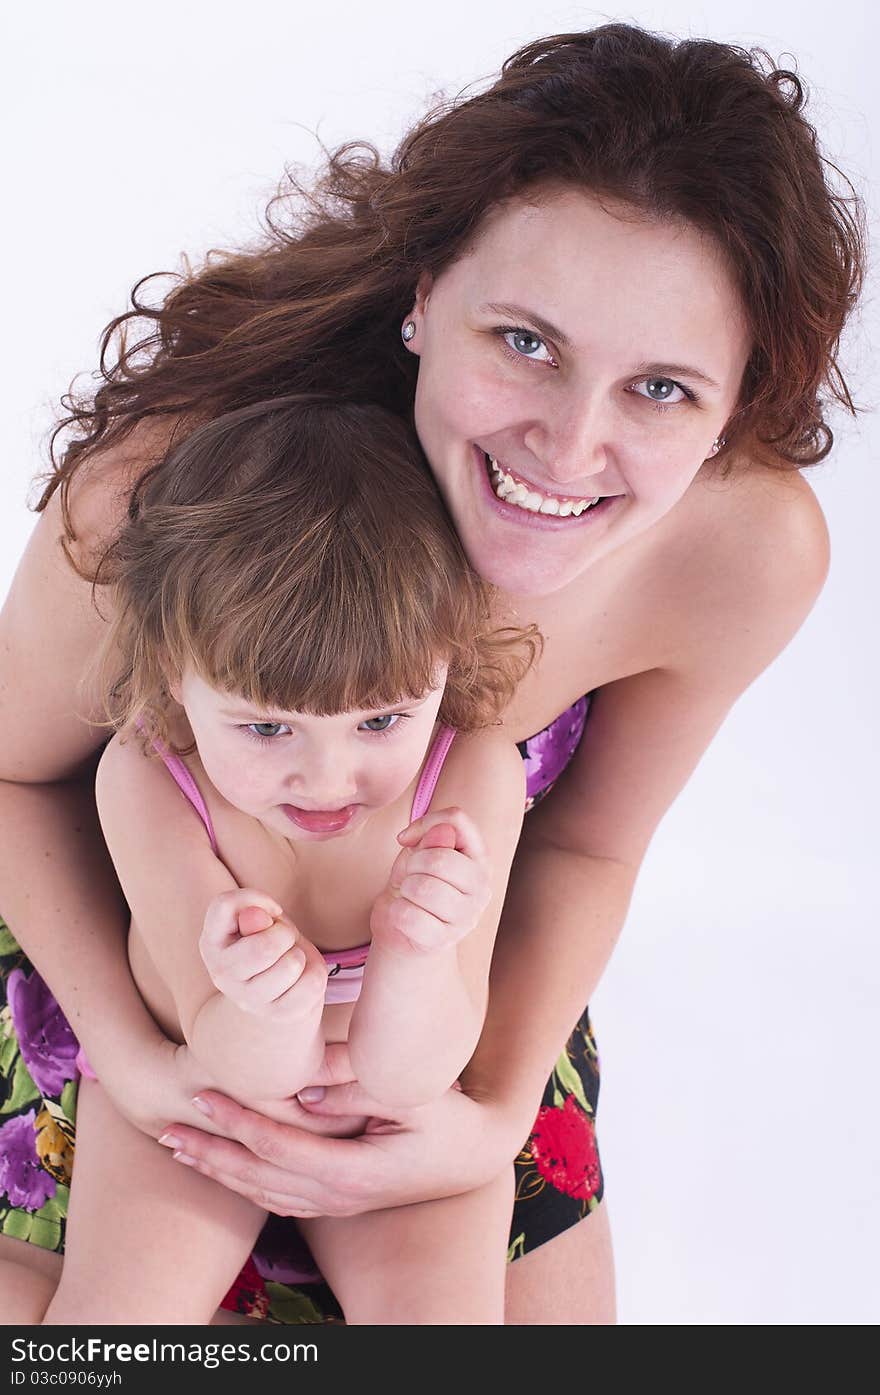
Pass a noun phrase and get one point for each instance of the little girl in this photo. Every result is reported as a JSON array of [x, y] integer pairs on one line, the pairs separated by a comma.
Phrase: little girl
[[312, 818]]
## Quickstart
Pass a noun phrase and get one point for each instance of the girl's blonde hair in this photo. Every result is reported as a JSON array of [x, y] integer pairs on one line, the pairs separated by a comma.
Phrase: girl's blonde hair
[[297, 553]]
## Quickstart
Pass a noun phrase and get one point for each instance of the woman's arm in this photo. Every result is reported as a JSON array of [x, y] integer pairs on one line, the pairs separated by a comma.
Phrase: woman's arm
[[421, 1010], [58, 890]]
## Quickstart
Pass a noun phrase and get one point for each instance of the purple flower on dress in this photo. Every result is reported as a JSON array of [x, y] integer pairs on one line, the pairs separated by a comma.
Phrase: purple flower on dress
[[551, 750], [22, 1177], [47, 1043]]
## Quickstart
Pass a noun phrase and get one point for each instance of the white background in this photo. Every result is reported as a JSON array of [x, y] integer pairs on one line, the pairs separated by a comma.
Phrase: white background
[[736, 1023]]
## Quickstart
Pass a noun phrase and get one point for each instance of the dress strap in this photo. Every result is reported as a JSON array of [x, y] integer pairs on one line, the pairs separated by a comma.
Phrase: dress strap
[[431, 771]]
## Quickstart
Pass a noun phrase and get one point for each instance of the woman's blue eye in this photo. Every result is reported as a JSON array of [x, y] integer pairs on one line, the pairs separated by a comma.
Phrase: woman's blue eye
[[393, 717], [524, 343], [668, 385]]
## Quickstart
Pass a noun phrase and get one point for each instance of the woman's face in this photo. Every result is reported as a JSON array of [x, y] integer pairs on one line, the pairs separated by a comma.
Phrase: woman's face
[[572, 347]]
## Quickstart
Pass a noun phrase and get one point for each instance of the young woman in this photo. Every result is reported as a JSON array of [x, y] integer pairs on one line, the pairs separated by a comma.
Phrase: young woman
[[614, 279]]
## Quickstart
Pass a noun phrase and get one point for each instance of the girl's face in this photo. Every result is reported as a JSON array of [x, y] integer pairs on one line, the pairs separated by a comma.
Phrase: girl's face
[[591, 358], [308, 778]]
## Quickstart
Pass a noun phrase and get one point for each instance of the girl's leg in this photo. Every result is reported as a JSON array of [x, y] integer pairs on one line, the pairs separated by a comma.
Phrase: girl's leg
[[148, 1241], [439, 1262], [569, 1281]]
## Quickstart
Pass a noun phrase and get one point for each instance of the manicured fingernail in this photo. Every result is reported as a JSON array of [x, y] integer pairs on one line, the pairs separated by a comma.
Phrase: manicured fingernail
[[170, 1140], [202, 1106], [184, 1158], [312, 1094]]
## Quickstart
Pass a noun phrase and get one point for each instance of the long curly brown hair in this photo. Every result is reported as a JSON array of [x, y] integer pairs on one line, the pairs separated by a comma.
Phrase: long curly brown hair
[[693, 129]]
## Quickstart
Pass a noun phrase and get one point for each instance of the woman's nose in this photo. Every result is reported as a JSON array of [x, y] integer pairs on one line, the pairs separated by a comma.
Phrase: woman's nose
[[572, 445]]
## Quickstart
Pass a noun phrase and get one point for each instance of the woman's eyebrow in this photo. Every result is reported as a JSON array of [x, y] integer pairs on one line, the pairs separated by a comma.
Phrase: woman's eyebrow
[[520, 312], [684, 370]]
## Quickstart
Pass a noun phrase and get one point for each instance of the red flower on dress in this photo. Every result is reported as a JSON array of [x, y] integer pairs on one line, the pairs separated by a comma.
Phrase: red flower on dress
[[248, 1294], [564, 1148]]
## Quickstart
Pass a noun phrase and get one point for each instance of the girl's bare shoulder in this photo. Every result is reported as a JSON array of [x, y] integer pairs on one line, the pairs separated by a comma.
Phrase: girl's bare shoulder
[[484, 774]]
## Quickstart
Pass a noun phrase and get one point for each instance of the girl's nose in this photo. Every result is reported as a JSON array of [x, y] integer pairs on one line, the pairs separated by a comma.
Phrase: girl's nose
[[323, 780]]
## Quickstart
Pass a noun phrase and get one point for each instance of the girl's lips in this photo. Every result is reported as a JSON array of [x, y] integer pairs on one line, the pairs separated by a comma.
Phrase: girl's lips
[[546, 521], [320, 820]]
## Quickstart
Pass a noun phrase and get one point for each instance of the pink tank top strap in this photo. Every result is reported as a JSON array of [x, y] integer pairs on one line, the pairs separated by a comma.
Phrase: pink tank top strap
[[431, 771], [183, 778]]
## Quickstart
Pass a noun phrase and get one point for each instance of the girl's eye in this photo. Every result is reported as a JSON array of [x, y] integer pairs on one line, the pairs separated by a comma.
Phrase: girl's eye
[[666, 386], [264, 731], [524, 343], [392, 720]]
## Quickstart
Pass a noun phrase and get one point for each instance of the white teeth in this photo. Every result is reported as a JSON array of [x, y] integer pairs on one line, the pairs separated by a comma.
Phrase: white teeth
[[513, 492]]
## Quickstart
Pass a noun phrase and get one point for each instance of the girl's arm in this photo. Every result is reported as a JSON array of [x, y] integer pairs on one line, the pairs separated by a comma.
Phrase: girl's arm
[[170, 877], [423, 1001]]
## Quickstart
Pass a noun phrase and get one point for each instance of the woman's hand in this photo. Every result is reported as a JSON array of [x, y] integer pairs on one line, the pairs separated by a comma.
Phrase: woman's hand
[[154, 1086], [443, 1148], [156, 1090]]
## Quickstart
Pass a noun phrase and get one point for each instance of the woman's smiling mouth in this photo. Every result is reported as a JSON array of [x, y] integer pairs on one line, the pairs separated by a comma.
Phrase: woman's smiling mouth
[[508, 486], [524, 497]]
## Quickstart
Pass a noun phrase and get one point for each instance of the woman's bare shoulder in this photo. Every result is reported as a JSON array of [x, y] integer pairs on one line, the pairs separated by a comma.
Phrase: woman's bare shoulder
[[51, 626], [757, 557], [101, 486]]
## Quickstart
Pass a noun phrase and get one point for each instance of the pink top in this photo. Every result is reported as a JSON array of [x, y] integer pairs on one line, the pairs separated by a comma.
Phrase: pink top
[[346, 965]]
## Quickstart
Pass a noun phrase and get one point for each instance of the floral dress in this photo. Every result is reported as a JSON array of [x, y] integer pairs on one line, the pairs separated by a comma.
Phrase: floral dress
[[558, 1172]]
